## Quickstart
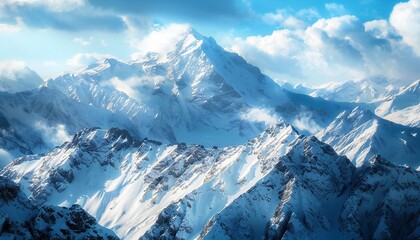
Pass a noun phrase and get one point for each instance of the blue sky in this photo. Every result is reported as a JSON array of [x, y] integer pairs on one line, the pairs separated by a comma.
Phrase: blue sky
[[297, 40]]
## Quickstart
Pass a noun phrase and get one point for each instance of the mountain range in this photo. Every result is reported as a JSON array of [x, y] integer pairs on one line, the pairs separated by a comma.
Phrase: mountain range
[[196, 143], [280, 184]]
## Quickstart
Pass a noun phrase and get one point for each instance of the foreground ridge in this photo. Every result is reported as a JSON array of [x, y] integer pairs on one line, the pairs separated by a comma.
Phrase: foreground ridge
[[280, 184]]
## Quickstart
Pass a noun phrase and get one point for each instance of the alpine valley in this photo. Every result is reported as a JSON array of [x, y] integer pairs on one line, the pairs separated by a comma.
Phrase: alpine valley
[[196, 143]]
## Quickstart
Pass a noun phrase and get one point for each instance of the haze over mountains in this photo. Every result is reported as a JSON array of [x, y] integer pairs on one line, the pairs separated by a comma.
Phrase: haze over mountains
[[195, 142]]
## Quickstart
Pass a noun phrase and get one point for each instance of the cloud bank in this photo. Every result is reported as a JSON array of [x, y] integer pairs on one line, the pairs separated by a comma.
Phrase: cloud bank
[[339, 48]]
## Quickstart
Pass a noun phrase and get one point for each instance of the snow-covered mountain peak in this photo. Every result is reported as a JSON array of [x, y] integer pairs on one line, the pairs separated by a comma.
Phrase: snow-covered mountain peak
[[376, 160], [16, 78], [95, 139]]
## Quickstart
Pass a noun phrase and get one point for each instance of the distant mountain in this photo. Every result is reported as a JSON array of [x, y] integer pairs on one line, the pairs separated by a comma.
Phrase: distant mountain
[[389, 100], [360, 135], [280, 184], [20, 219], [365, 90], [403, 107], [18, 79]]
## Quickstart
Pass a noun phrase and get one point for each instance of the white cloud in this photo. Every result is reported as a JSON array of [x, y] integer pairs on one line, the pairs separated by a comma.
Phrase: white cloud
[[335, 9], [132, 86], [260, 115], [11, 28], [15, 76], [333, 49], [83, 42], [84, 59], [8, 69], [161, 39], [54, 135], [405, 18], [381, 29], [305, 122]]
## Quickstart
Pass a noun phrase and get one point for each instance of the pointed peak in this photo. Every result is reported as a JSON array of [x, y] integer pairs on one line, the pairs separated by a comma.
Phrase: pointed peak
[[111, 61], [191, 38], [278, 127], [377, 161]]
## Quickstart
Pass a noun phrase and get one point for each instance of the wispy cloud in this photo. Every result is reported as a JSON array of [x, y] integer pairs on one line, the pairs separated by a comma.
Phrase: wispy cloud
[[161, 39], [261, 115], [9, 69], [336, 9], [82, 41], [84, 59], [53, 135], [133, 86], [305, 122]]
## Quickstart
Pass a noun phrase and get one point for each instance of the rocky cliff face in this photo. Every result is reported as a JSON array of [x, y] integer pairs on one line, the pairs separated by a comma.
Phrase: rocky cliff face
[[20, 219], [312, 193]]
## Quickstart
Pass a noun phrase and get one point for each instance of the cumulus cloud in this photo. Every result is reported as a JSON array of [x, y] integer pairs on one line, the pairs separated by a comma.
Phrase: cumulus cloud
[[405, 18], [260, 115], [333, 49], [53, 135], [84, 59]]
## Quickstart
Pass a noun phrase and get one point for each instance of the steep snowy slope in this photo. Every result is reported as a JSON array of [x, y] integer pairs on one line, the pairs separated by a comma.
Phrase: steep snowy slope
[[18, 79], [194, 93], [359, 134], [279, 184], [312, 194], [404, 107], [37, 120], [125, 183], [302, 180], [20, 219]]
